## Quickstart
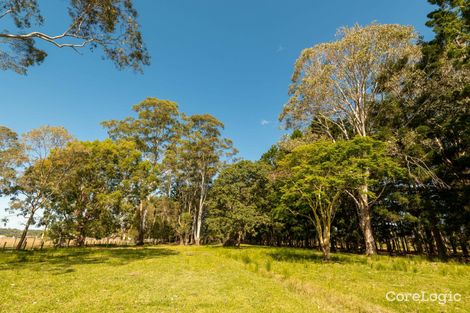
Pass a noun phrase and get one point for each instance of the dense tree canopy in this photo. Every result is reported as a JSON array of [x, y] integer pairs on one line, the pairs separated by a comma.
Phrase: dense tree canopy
[[238, 202], [316, 175], [91, 200]]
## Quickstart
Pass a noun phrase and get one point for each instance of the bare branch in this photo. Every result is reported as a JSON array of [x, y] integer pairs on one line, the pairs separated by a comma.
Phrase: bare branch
[[5, 13], [52, 39]]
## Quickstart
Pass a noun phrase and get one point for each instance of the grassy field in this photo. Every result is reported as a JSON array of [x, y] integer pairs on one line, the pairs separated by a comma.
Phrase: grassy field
[[215, 279]]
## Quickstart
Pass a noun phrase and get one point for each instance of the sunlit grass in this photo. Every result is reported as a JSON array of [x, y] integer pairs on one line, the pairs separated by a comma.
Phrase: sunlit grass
[[216, 279], [358, 283]]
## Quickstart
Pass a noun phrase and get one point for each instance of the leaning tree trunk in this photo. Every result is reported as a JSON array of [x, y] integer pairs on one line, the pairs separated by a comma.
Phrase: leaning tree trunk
[[365, 220], [20, 244]]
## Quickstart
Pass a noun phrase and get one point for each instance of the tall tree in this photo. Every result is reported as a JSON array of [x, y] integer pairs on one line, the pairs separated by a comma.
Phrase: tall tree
[[156, 127], [110, 25], [337, 85], [451, 25], [202, 151], [34, 182], [91, 200], [237, 201], [430, 120]]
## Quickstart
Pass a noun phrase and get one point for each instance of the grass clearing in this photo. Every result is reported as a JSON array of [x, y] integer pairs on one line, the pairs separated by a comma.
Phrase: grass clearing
[[216, 279]]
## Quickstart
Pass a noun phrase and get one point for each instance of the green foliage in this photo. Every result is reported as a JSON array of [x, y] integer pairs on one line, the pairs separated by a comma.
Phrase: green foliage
[[335, 84], [451, 25], [201, 152], [91, 200], [11, 156], [317, 175], [380, 143], [110, 25], [153, 130], [237, 201], [429, 122]]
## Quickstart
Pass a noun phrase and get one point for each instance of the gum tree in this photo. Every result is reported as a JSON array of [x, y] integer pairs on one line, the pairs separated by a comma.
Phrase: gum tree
[[108, 25], [33, 183], [155, 128], [201, 153], [337, 86], [91, 200]]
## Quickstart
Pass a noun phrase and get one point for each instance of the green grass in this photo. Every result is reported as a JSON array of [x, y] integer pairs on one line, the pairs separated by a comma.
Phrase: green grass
[[216, 279]]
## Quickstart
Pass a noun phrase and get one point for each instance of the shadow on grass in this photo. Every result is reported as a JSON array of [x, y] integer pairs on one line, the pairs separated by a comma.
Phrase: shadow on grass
[[288, 254], [304, 256], [62, 261]]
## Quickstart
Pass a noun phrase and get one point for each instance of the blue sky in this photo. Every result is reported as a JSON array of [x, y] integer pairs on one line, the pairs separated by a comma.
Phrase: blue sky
[[232, 59]]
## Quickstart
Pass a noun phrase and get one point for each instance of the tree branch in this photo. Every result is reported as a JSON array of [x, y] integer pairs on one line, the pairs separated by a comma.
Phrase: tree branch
[[6, 13], [52, 39]]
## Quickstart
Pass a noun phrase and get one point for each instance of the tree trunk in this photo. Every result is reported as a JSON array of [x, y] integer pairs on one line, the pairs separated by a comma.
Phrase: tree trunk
[[453, 244], [197, 233], [194, 228], [239, 239], [464, 243], [441, 247], [81, 238], [141, 229], [20, 244], [418, 242], [365, 220], [325, 245]]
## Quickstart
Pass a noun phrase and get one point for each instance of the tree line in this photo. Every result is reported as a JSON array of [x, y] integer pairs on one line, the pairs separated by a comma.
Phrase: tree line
[[153, 173], [376, 159]]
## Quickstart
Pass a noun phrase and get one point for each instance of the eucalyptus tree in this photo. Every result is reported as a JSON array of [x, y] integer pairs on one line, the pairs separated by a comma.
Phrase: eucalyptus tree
[[178, 191], [338, 85], [108, 25], [155, 128], [90, 201], [201, 152], [33, 182]]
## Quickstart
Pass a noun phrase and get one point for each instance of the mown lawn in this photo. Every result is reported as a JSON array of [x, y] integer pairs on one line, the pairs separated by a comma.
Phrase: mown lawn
[[215, 279]]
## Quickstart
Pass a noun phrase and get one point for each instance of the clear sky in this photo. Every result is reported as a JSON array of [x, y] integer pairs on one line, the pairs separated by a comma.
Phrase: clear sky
[[231, 59]]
